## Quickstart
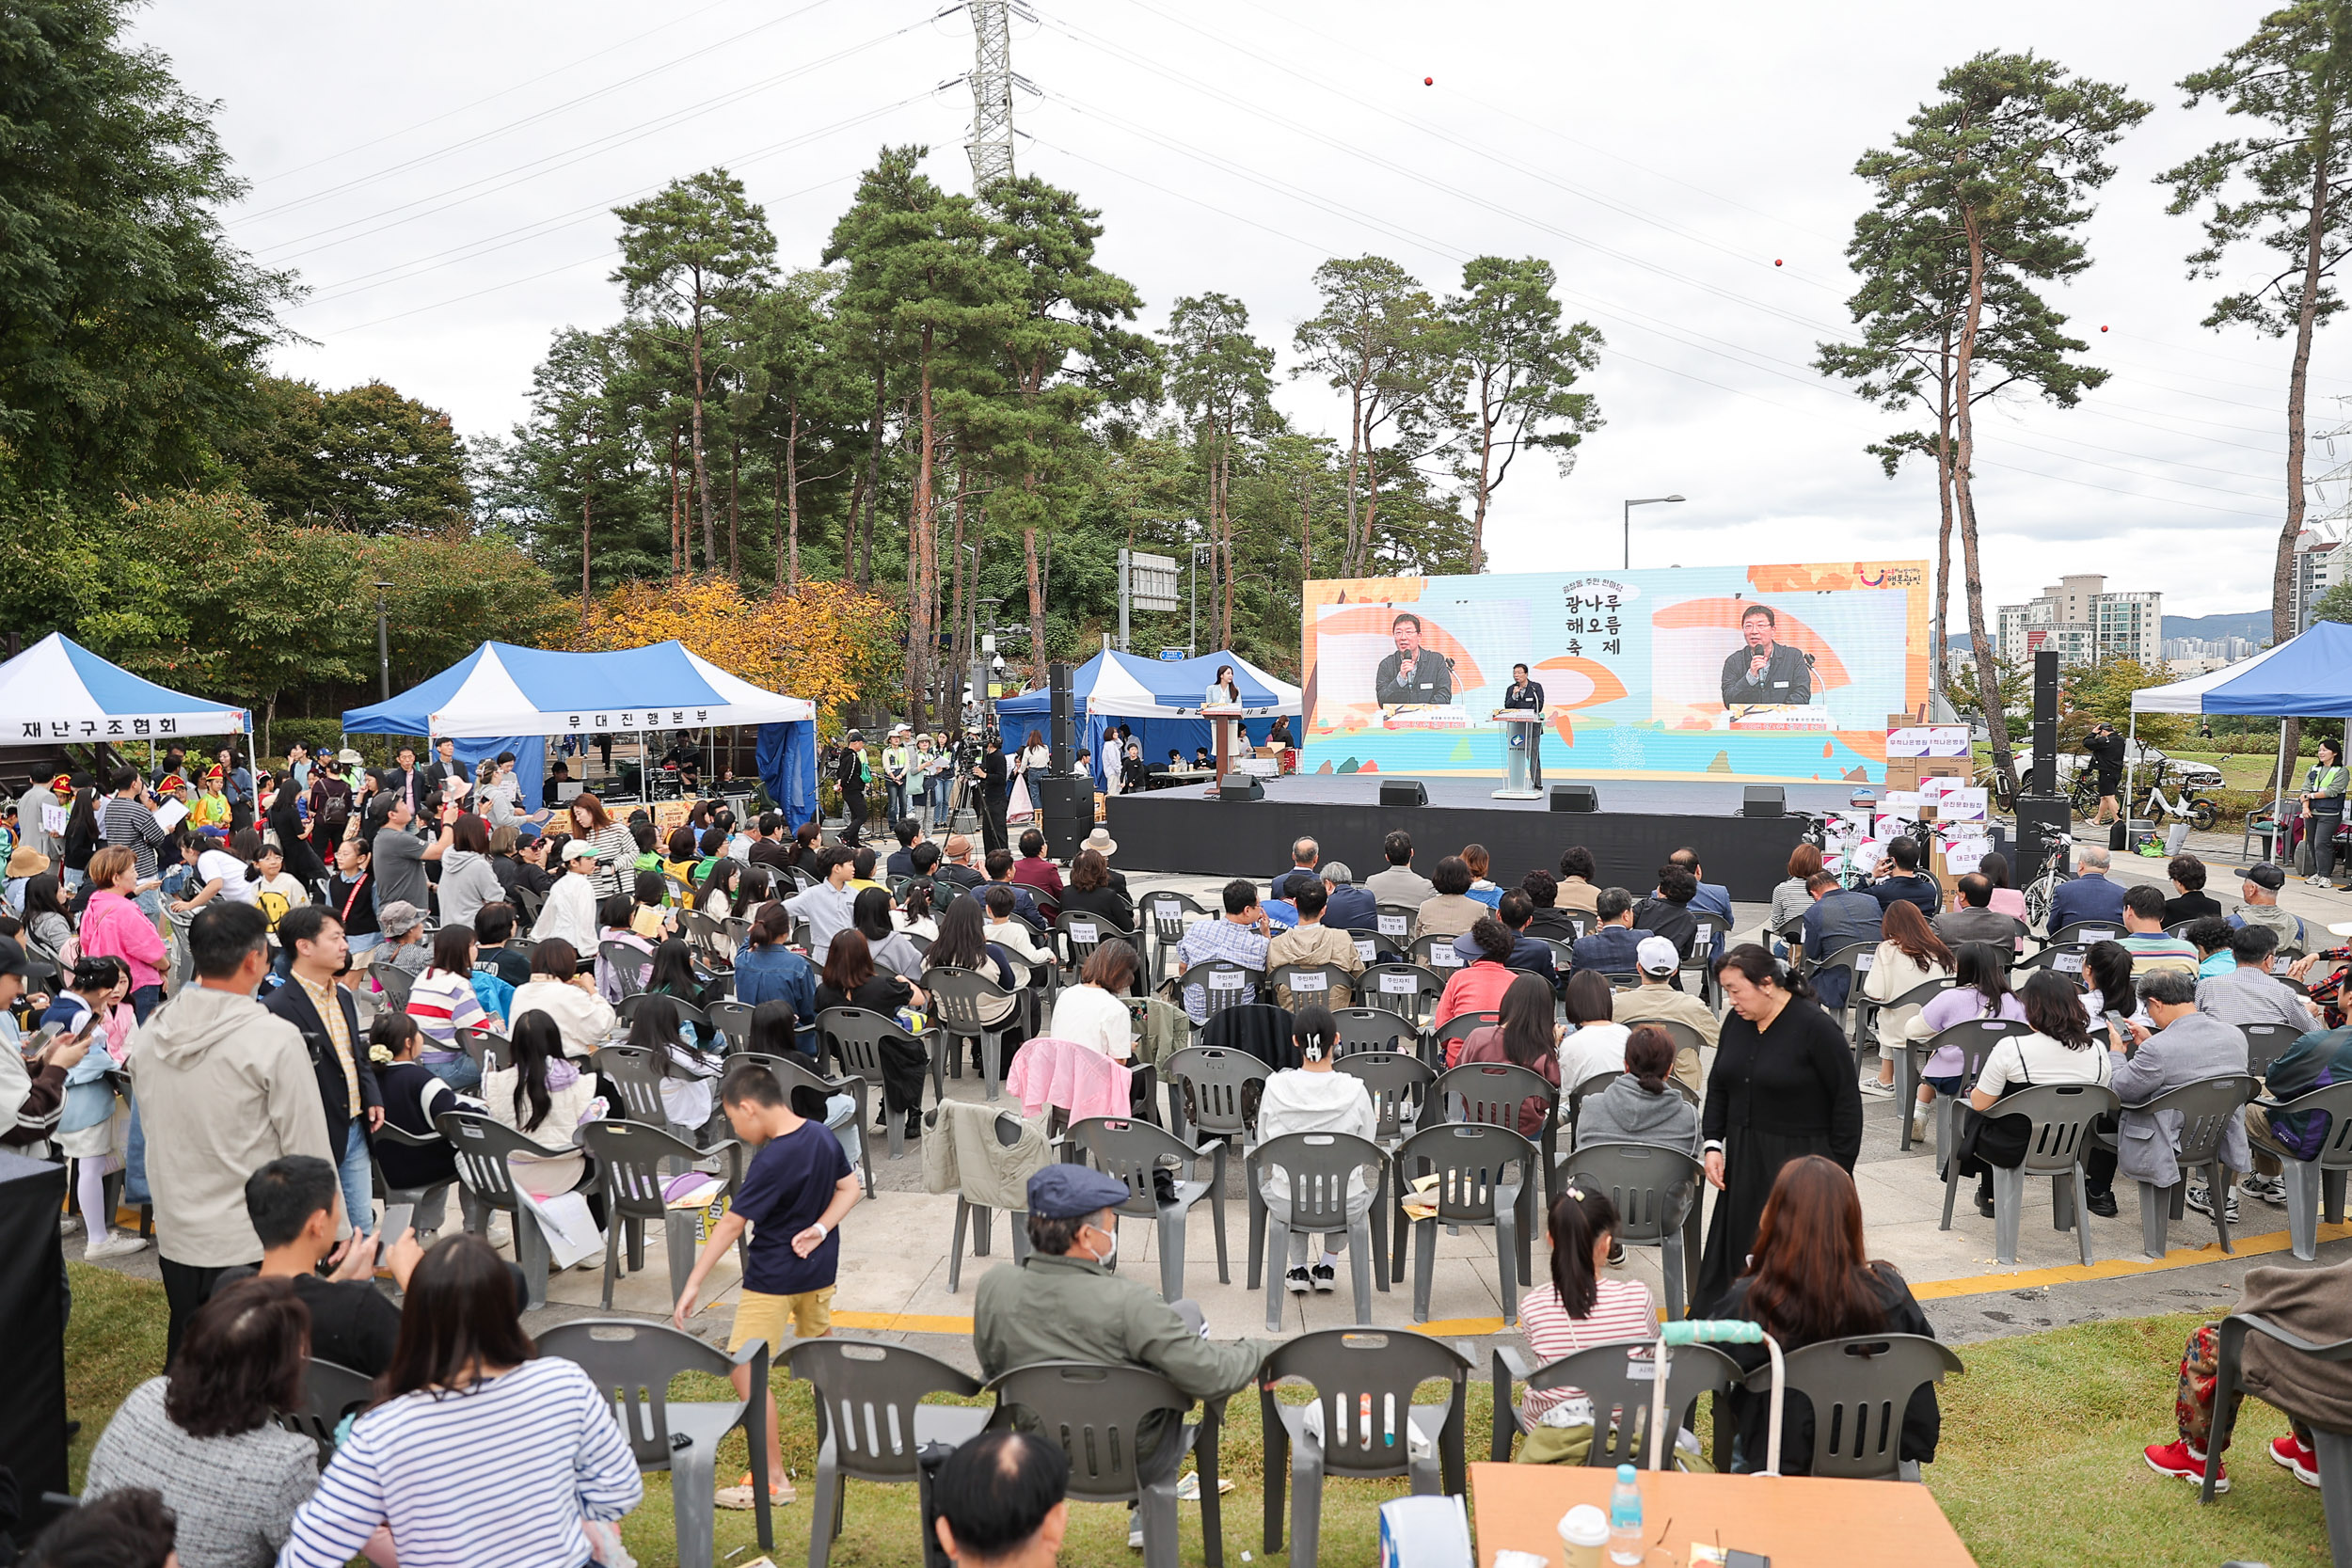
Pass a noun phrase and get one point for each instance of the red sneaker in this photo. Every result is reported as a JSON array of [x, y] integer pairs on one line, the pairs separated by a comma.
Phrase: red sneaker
[[2177, 1458], [2291, 1453]]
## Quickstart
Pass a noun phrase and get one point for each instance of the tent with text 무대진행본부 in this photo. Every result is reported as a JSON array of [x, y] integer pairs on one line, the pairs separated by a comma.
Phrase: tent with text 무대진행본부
[[58, 692], [500, 696], [1159, 699], [2307, 676]]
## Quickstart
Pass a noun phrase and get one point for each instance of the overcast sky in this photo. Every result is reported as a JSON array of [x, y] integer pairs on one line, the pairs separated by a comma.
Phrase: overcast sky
[[441, 176]]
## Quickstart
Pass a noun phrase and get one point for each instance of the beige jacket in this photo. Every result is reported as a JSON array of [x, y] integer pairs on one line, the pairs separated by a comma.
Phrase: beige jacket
[[1448, 915], [1308, 945], [224, 1087]]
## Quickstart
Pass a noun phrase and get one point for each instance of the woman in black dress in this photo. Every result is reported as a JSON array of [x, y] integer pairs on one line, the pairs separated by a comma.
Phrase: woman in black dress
[[1783, 1086]]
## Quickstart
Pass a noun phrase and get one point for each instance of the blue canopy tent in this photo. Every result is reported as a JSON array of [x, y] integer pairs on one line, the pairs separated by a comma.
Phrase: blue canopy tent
[[501, 698], [1158, 700], [2309, 676]]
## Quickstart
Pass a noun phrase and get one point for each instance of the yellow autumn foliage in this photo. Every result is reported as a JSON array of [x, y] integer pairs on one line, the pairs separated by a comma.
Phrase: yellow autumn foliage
[[825, 641]]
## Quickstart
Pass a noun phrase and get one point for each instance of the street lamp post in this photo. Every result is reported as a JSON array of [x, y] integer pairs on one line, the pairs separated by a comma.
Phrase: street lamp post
[[1644, 501], [383, 644]]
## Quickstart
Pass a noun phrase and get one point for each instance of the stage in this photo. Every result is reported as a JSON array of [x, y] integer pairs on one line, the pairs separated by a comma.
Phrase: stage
[[1641, 822]]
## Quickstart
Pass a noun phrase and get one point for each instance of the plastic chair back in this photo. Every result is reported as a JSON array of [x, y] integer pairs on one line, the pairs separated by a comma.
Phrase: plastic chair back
[[1473, 1161], [1398, 1082], [733, 1019], [956, 995], [853, 1038], [1490, 1093], [1653, 1186], [1409, 991], [1619, 1377], [2266, 1043], [2334, 1101], [1224, 984], [2086, 932], [394, 983], [632, 1362], [2061, 1114], [483, 1146], [330, 1391], [1215, 1091], [1309, 984], [1131, 1150], [631, 1159], [1395, 924], [1319, 1165], [868, 1391], [1435, 953], [1093, 1412], [1461, 1027], [1081, 934], [1373, 1029], [1858, 1388], [2206, 1107], [1974, 1038], [1364, 1380], [630, 964], [632, 1072]]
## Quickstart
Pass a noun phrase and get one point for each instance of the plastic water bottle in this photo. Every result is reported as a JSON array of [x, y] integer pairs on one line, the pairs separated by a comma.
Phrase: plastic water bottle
[[1625, 1519]]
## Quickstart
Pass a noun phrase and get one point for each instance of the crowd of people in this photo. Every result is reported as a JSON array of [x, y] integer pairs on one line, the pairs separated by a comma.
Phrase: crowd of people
[[321, 1004]]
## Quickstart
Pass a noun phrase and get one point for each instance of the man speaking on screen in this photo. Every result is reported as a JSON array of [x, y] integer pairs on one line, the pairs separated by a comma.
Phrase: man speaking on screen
[[1412, 673], [1765, 669]]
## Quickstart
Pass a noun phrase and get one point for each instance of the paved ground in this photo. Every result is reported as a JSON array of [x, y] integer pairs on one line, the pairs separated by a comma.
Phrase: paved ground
[[894, 1274]]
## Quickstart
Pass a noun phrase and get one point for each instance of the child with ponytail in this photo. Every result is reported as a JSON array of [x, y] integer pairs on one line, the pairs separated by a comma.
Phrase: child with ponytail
[[1310, 1098], [1581, 1306]]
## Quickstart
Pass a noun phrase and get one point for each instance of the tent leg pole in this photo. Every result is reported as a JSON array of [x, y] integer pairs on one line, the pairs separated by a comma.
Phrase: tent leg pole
[[2278, 797], [2131, 772]]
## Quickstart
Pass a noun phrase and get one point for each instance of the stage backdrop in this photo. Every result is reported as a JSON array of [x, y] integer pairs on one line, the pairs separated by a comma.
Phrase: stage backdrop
[[1786, 672]]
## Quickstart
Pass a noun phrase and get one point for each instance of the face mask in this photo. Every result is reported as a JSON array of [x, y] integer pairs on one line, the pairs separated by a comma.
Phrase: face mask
[[1110, 1256]]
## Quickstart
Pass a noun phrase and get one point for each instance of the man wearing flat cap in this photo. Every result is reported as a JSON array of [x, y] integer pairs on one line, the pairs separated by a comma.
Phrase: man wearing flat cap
[[1064, 1304]]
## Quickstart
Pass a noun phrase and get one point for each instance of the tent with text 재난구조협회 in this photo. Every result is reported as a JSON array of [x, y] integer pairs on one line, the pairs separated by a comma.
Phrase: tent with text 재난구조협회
[[59, 691], [2307, 676], [500, 692]]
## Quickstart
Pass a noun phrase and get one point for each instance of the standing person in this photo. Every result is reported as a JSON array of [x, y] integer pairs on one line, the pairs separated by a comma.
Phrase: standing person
[[794, 1197], [331, 802], [1224, 692], [351, 895], [89, 1133], [237, 784], [1527, 694], [2322, 811], [561, 988], [398, 855], [1310, 1098], [114, 927], [851, 775], [2104, 748], [937, 763], [328, 1021], [224, 1087], [479, 1449], [127, 820], [571, 911], [988, 777], [896, 764], [468, 881], [1783, 1086], [616, 849]]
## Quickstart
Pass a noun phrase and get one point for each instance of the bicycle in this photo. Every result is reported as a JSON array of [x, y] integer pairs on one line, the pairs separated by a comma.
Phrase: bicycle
[[2201, 814], [2059, 866]]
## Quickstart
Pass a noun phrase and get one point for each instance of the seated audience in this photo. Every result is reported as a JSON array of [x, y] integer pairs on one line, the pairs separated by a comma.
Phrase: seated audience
[[1522, 1035], [1659, 998], [2314, 1304], [1596, 1041], [295, 1205], [546, 1097], [1090, 892], [1093, 1012], [1240, 938], [1581, 1305], [1311, 1098], [1611, 947], [130, 1528], [2060, 1050], [1667, 912], [2189, 900], [1640, 1105], [1973, 918], [1979, 990], [413, 1095], [1909, 956], [1449, 910], [567, 994], [1312, 942], [1475, 988], [1000, 1499]]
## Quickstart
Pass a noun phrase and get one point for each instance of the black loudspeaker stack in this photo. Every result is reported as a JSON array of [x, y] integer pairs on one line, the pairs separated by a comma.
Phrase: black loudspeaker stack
[[1763, 800], [1240, 787], [1575, 797], [1063, 736], [32, 1318], [1403, 792], [2041, 811], [1066, 807]]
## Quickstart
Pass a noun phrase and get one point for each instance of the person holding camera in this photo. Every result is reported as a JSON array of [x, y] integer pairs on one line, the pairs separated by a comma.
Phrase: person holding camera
[[2105, 747]]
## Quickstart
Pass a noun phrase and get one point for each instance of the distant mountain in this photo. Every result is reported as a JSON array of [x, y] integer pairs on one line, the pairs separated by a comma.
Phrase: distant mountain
[[2253, 624]]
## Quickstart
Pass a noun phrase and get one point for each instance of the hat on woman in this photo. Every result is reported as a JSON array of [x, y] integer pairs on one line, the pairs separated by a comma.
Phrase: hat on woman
[[350, 758], [1101, 841], [171, 783], [25, 861], [399, 917]]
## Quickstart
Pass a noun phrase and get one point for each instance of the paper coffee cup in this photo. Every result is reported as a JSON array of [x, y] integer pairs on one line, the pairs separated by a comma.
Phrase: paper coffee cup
[[1583, 1536]]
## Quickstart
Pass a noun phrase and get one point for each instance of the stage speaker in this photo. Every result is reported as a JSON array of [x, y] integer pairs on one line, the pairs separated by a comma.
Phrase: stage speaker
[[1403, 792], [32, 1318], [1062, 740], [2039, 818], [1066, 807], [2045, 712], [1763, 800], [1575, 798], [1240, 787]]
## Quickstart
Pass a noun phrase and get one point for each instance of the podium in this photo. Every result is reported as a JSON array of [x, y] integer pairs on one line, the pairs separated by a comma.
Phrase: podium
[[1222, 717], [1522, 732]]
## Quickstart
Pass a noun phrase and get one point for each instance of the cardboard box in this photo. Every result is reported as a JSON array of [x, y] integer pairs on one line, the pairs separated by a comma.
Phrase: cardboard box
[[1904, 773]]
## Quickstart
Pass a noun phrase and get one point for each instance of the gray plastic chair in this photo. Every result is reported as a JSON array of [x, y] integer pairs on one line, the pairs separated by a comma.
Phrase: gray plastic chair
[[1081, 934], [2206, 1109], [1094, 1412], [1398, 1083], [1976, 1038], [1496, 1092], [2316, 1184], [1656, 1190], [634, 1075], [1409, 991], [419, 1197], [2266, 1043], [1685, 1039], [2085, 933], [631, 1363], [1353, 1370], [2333, 1449], [2063, 1115], [1483, 1178], [870, 1411], [1213, 1093], [394, 983], [630, 964], [1619, 1377], [1375, 1029], [1435, 954], [1320, 1167], [733, 1019], [483, 1146], [1461, 1027], [1225, 985], [1858, 1388], [1867, 1015], [979, 1216], [491, 1053], [633, 1160], [1132, 1150], [1160, 917], [956, 996], [790, 1075], [853, 1038], [1395, 924], [330, 1391], [1311, 984], [1855, 959]]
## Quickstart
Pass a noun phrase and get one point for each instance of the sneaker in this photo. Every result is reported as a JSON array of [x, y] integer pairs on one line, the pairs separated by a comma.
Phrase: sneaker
[[2177, 1458], [2316, 880], [1873, 1089], [500, 1233], [1327, 1278], [2290, 1452], [69, 1225], [1919, 1124], [1298, 1282], [2270, 1189], [1134, 1536], [2200, 1199], [112, 1245]]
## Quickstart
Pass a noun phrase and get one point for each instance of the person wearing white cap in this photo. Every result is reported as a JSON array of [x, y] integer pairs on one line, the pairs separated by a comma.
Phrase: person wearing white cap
[[1657, 999], [570, 910]]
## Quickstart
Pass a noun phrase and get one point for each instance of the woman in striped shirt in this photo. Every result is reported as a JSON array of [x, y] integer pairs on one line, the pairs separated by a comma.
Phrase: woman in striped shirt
[[443, 1001], [480, 1453], [1581, 1307], [616, 849]]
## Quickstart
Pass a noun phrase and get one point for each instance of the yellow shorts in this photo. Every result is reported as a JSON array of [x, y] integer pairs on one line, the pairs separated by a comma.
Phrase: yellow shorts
[[757, 1316]]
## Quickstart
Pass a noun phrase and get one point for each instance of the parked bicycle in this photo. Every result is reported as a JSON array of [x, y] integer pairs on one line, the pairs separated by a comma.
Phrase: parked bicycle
[[2057, 866], [2191, 804]]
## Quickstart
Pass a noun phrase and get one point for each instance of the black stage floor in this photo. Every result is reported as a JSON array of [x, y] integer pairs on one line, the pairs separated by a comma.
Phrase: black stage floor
[[1641, 821]]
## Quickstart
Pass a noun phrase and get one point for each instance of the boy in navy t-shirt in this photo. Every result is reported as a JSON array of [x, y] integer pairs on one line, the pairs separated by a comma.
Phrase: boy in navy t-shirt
[[797, 1187]]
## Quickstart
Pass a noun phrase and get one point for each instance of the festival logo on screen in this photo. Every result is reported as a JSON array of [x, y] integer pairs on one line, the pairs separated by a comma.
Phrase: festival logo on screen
[[1786, 672]]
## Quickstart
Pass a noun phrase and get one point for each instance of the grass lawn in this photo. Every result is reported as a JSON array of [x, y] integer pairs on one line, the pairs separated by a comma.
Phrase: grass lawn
[[2040, 1463]]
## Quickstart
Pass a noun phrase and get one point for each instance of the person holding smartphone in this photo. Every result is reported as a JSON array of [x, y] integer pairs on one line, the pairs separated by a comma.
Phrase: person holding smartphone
[[32, 1082]]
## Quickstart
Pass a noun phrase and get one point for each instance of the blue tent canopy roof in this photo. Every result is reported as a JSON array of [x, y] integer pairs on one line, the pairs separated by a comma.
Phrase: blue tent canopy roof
[[56, 689], [2308, 676]]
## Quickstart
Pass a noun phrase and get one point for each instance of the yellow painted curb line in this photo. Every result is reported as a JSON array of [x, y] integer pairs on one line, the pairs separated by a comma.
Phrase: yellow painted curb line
[[2117, 1268]]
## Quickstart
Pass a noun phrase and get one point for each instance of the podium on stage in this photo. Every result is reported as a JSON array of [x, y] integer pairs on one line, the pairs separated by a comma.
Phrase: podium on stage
[[1222, 717], [1522, 730]]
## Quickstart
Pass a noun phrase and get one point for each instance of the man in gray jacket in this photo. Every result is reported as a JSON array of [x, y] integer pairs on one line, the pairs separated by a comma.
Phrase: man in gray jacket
[[2188, 1046], [2250, 993], [224, 1087]]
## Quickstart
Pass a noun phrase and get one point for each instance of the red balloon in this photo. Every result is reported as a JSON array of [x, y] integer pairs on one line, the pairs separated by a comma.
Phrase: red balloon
[[1429, 81], [1775, 261], [2103, 329]]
